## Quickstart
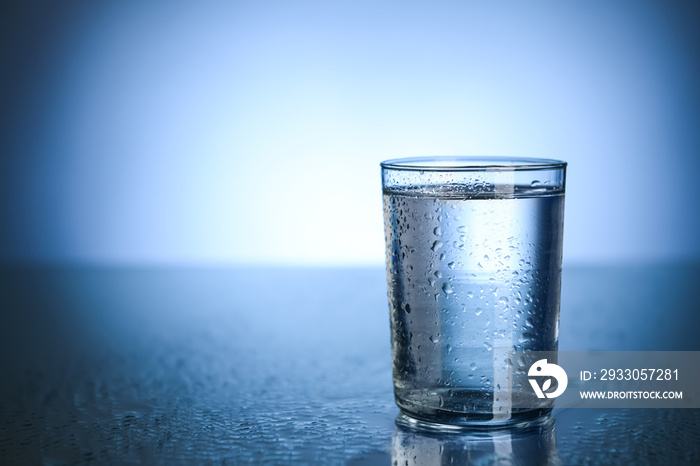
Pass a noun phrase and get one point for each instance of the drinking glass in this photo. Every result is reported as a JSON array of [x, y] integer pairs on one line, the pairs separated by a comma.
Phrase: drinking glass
[[473, 255]]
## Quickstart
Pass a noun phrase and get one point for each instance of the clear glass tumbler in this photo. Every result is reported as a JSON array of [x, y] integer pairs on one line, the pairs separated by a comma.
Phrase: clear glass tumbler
[[473, 251]]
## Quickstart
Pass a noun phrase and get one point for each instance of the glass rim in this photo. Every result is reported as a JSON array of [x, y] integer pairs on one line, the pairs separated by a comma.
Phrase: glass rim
[[469, 163]]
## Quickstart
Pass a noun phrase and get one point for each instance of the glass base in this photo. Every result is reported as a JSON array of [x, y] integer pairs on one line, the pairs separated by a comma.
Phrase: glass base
[[471, 423], [441, 409]]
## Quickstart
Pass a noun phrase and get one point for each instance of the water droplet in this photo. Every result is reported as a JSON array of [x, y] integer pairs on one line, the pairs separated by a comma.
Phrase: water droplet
[[438, 274], [536, 183], [478, 311], [472, 366], [470, 294], [437, 231], [434, 339], [408, 308], [447, 288], [442, 256], [436, 245], [488, 346]]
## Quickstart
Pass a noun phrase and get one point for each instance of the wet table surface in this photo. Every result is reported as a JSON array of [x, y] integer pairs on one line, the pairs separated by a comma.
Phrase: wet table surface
[[282, 366]]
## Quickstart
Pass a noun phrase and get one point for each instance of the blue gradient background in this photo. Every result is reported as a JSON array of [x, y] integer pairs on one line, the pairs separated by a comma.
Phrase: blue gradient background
[[200, 132]]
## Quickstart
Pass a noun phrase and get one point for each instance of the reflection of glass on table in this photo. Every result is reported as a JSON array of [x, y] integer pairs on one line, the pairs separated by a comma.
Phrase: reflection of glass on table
[[532, 443]]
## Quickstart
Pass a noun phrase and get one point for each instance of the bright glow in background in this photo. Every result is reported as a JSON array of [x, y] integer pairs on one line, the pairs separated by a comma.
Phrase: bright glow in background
[[195, 132]]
